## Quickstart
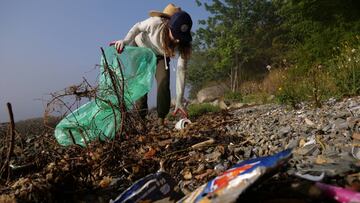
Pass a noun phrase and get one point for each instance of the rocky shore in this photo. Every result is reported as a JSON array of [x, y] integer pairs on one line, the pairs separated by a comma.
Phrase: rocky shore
[[324, 141]]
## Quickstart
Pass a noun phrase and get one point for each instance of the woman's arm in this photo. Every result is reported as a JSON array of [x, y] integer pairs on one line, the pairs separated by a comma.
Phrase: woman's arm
[[180, 83], [142, 26]]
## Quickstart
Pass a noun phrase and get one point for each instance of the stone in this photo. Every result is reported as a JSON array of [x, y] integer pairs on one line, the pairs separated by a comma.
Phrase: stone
[[187, 175], [316, 152], [333, 169], [293, 143], [307, 150], [222, 105], [340, 124], [212, 93], [237, 149], [302, 142], [342, 114], [320, 160], [200, 168], [356, 136], [284, 130], [219, 168], [260, 152], [326, 128], [236, 105], [247, 154], [213, 157], [309, 122]]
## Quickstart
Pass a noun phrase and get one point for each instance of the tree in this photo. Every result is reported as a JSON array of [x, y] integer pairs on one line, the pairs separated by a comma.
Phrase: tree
[[238, 33], [315, 27]]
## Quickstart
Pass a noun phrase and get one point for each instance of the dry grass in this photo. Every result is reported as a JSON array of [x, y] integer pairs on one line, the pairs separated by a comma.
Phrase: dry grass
[[270, 84], [249, 87], [273, 81]]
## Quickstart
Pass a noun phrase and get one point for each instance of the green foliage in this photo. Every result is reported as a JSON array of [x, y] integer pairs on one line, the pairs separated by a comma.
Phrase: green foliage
[[306, 84], [237, 34], [292, 93], [196, 110], [313, 27], [340, 76], [316, 41], [345, 68], [233, 96], [257, 98]]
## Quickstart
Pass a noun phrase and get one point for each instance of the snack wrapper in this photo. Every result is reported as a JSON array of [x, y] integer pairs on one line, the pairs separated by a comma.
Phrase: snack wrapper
[[158, 187], [229, 186]]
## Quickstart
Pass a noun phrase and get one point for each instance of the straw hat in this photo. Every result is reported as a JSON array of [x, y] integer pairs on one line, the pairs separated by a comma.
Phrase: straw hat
[[168, 11]]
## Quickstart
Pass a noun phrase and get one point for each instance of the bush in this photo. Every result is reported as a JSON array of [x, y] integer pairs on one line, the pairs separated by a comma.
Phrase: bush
[[291, 93], [273, 81], [258, 98], [233, 96], [196, 110], [313, 83], [345, 68], [250, 87]]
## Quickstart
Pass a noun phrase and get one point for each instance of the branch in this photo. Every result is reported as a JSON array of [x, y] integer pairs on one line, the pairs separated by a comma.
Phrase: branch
[[6, 166]]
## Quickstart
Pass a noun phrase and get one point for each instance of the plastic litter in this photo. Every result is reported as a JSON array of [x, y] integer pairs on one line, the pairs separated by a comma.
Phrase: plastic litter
[[229, 186], [311, 141], [158, 187], [181, 124], [338, 193], [98, 119], [311, 177]]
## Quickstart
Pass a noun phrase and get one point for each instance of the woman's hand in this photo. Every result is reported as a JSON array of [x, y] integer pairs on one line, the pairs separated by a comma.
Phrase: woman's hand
[[119, 45]]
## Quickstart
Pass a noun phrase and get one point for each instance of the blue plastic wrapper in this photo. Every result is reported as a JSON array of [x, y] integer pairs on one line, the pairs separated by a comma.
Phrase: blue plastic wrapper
[[229, 186], [152, 188]]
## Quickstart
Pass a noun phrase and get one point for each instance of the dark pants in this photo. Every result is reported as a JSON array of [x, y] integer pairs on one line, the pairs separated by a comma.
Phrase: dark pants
[[163, 91]]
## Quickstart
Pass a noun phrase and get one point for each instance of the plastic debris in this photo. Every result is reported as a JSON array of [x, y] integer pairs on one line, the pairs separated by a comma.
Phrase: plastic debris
[[233, 182], [311, 177], [311, 141], [338, 193], [152, 188], [181, 124], [97, 118]]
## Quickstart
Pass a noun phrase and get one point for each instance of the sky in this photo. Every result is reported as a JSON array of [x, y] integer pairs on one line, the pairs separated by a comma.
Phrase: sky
[[48, 45]]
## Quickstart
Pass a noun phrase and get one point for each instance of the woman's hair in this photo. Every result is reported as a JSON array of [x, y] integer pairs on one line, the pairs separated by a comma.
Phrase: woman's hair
[[169, 45]]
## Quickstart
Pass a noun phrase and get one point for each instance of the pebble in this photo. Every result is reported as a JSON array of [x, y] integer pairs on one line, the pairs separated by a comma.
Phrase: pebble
[[276, 127]]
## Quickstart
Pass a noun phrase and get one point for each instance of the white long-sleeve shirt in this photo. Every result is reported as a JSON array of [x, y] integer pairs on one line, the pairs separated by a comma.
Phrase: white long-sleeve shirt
[[148, 33]]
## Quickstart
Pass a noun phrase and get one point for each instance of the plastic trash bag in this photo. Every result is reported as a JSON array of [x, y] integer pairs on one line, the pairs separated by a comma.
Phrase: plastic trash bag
[[100, 119]]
